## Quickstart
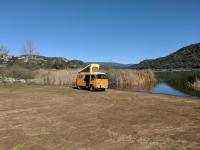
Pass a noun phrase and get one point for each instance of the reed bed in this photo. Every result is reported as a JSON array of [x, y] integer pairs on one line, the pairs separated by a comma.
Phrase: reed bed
[[196, 85], [125, 78], [118, 78], [55, 77]]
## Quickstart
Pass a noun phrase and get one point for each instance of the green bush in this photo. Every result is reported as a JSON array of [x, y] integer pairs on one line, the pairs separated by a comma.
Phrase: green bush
[[183, 78]]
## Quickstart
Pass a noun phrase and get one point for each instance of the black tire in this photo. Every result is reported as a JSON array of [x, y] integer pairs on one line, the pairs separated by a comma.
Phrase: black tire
[[78, 87], [91, 88], [103, 89]]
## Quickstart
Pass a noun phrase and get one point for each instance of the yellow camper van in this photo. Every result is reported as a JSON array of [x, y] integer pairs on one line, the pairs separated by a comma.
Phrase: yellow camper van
[[90, 78]]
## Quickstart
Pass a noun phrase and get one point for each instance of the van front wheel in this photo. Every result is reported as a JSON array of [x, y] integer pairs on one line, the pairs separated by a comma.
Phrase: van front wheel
[[78, 87]]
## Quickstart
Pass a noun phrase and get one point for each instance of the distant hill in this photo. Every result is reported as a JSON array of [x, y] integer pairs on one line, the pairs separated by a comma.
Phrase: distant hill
[[110, 65], [37, 61], [187, 57]]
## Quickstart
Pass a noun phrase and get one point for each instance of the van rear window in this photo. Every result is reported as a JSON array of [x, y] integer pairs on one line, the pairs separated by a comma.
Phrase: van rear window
[[101, 76]]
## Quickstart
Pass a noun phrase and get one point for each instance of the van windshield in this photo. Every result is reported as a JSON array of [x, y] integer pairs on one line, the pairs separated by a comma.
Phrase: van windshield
[[101, 76]]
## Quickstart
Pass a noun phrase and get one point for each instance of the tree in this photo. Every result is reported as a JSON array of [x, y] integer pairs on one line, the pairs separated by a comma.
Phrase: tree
[[4, 50], [29, 49]]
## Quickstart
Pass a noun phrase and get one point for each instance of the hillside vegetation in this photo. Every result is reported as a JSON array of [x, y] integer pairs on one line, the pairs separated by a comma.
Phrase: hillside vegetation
[[111, 65], [187, 57], [36, 62]]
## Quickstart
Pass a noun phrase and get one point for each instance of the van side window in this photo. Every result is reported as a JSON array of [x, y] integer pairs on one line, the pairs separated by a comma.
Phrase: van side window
[[101, 76]]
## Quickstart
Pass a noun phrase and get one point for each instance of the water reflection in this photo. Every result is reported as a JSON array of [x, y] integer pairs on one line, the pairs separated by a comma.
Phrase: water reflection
[[163, 87]]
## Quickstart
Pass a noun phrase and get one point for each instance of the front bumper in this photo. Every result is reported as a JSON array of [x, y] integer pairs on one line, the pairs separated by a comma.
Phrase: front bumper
[[103, 86]]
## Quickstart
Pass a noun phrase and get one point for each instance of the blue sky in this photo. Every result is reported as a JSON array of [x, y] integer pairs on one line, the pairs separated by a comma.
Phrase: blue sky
[[125, 31]]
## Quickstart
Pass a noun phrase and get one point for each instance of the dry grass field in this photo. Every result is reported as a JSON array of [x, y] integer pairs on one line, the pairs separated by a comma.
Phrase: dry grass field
[[61, 118]]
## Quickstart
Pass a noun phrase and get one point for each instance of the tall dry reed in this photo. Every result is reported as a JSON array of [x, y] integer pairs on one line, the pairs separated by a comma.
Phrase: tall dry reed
[[124, 78], [55, 77], [118, 78], [195, 85]]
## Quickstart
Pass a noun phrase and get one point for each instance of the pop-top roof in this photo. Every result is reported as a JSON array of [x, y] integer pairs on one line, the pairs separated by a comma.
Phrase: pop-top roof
[[90, 68]]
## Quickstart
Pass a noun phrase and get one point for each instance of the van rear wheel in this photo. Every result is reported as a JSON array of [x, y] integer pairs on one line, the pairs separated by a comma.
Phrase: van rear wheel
[[91, 88], [103, 89]]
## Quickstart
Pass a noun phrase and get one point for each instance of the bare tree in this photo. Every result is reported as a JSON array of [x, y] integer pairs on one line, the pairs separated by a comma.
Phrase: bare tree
[[4, 50], [29, 49]]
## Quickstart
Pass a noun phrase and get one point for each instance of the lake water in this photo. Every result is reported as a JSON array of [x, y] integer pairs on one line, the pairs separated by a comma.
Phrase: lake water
[[165, 88]]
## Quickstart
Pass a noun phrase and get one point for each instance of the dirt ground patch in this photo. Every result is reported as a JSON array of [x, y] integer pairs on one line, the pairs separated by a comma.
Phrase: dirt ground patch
[[61, 118]]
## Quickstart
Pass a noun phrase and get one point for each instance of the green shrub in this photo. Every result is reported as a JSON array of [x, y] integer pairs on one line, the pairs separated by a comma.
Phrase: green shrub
[[185, 78]]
